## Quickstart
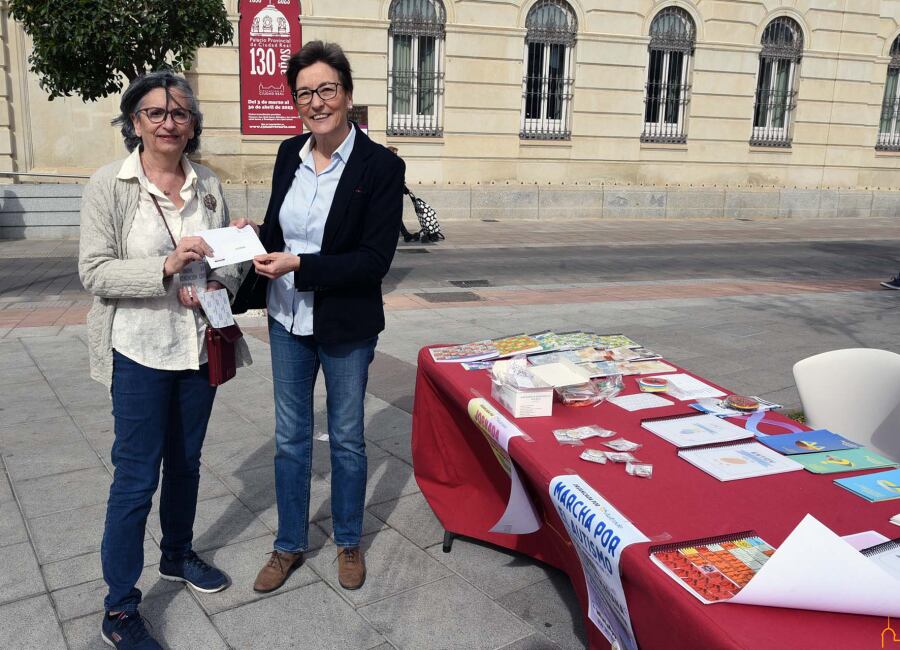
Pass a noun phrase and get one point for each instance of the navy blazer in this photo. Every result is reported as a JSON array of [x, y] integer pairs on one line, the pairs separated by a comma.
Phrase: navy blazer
[[358, 244]]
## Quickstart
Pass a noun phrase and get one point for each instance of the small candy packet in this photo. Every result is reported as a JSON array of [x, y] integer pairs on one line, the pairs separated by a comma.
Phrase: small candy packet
[[588, 431], [620, 444], [644, 470], [594, 456], [563, 438], [620, 457]]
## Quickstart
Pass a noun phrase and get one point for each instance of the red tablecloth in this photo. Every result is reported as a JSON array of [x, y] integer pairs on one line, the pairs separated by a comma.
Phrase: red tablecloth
[[468, 490]]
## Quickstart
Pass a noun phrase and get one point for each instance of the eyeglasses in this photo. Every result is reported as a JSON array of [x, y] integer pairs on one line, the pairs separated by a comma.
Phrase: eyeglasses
[[158, 115], [325, 91]]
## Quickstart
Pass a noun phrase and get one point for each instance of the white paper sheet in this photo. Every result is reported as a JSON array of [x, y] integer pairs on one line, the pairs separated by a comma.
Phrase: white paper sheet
[[216, 307], [816, 569], [193, 275], [231, 245], [684, 387], [640, 401], [520, 517]]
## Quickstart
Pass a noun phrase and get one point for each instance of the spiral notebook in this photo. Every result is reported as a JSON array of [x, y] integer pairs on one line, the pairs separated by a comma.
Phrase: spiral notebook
[[713, 569], [744, 460], [695, 430], [886, 556]]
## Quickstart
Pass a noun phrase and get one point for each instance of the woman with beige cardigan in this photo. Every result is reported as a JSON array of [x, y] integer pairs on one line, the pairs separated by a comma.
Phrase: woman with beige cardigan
[[140, 259]]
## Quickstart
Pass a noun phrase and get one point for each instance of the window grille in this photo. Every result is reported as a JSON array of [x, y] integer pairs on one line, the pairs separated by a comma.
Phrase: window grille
[[547, 85], [776, 83], [415, 67], [668, 91], [889, 125]]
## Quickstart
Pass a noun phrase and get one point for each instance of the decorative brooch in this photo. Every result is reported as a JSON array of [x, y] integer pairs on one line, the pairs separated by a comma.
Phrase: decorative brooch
[[210, 202]]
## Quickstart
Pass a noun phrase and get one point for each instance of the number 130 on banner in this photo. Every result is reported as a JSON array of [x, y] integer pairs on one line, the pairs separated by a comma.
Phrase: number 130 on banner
[[269, 33]]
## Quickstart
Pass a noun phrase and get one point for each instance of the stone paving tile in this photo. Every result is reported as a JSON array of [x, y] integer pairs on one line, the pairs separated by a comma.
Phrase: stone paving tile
[[371, 524], [87, 597], [389, 479], [410, 621], [399, 446], [551, 607], [21, 576], [393, 565], [38, 434], [42, 496], [254, 487], [495, 571], [324, 622], [241, 562], [533, 642], [67, 534], [68, 457], [12, 526], [30, 625], [219, 521], [412, 517], [86, 568], [240, 454]]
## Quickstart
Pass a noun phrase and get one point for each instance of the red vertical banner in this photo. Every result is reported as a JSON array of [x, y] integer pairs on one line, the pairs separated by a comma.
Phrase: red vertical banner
[[268, 33]]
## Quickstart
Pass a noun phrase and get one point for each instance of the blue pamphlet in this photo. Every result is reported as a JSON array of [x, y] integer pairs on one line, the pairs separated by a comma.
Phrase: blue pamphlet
[[880, 486], [807, 442]]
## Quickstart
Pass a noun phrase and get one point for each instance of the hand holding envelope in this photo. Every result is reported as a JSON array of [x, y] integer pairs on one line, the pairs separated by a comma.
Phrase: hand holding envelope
[[231, 245]]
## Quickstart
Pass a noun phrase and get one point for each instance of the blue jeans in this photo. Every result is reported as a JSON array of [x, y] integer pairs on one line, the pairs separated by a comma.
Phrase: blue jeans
[[160, 418], [295, 364]]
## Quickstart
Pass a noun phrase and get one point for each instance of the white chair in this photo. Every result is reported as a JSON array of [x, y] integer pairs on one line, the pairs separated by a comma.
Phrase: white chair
[[855, 393]]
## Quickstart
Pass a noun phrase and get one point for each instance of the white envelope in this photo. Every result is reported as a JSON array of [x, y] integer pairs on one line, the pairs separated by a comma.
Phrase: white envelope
[[231, 245]]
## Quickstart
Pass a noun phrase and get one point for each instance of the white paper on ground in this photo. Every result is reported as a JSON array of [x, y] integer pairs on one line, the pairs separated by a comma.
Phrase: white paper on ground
[[816, 569], [640, 401], [216, 307], [231, 245], [520, 517]]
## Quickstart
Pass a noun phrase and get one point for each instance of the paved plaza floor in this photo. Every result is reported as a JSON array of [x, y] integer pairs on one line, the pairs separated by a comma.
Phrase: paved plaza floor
[[56, 433]]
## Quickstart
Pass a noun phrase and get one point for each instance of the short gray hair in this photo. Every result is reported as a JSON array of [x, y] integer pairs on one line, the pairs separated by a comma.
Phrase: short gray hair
[[134, 94]]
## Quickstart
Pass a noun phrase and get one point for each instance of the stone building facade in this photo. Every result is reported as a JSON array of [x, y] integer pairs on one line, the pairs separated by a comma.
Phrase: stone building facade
[[556, 108]]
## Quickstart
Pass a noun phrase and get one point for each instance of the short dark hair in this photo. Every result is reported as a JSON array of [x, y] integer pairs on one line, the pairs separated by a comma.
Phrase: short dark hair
[[134, 95], [328, 53]]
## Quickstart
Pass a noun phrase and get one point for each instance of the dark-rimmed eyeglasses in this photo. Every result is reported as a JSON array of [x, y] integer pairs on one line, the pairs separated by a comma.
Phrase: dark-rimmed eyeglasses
[[158, 115], [325, 91]]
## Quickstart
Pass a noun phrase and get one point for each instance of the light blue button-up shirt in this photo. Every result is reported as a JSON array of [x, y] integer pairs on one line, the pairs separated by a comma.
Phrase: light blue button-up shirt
[[302, 217]]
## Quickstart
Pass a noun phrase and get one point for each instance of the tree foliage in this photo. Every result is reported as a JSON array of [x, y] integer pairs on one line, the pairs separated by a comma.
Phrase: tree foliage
[[86, 47]]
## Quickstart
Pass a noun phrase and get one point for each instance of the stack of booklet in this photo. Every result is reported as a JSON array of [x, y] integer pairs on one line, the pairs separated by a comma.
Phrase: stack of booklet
[[824, 452], [745, 460], [695, 430], [880, 486]]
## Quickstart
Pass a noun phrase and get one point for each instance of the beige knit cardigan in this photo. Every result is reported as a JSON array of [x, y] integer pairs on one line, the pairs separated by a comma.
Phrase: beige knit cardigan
[[108, 207]]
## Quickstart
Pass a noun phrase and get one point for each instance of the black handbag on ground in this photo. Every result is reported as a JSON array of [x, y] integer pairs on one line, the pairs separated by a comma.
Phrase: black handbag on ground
[[431, 229]]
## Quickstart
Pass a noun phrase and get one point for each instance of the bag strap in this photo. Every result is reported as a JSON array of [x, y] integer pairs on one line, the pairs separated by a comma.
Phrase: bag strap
[[161, 216]]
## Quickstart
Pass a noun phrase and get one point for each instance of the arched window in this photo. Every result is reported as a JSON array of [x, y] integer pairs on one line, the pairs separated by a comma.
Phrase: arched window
[[415, 67], [889, 126], [668, 92], [547, 86], [776, 83]]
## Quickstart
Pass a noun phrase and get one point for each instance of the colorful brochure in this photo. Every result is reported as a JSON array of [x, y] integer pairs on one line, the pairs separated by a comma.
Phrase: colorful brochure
[[554, 357], [880, 486], [807, 442], [466, 352], [518, 344], [571, 340], [732, 462], [848, 460], [613, 341], [716, 568], [547, 339], [684, 387], [695, 430]]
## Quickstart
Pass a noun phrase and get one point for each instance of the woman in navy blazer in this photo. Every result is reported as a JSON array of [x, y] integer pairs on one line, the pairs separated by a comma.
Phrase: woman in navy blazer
[[330, 230]]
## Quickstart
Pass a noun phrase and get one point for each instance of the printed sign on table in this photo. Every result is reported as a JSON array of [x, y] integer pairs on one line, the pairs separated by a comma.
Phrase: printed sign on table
[[520, 517], [599, 534], [269, 33]]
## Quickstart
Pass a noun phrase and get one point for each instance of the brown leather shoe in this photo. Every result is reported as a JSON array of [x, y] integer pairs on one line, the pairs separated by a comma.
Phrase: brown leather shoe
[[276, 571], [351, 568]]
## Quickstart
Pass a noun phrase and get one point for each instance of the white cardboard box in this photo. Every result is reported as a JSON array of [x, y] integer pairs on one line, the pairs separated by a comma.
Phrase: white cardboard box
[[524, 402]]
